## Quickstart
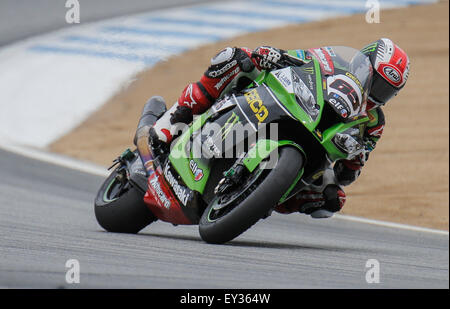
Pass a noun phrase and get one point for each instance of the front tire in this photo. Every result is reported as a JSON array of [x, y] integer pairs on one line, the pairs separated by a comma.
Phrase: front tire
[[253, 204], [119, 206]]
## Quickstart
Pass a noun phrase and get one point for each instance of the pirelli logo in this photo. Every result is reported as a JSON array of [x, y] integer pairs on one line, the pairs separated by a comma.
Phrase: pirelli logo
[[256, 104]]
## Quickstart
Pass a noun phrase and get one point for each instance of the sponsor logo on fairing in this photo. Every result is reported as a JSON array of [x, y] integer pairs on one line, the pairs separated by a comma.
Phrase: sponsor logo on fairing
[[256, 105], [339, 106], [358, 83], [283, 78], [308, 70], [345, 90], [325, 63], [180, 191], [159, 192], [196, 171]]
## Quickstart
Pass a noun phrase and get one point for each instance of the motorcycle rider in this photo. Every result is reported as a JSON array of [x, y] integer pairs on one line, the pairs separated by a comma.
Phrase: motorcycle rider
[[235, 68]]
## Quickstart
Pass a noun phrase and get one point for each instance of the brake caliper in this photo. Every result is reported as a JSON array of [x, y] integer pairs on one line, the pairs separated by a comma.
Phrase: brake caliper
[[126, 156], [232, 178]]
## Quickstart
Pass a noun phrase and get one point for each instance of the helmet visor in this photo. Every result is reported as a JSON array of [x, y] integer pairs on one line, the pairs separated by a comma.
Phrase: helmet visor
[[381, 90]]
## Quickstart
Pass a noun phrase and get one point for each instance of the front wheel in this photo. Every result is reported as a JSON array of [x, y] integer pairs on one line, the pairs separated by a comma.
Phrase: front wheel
[[226, 217], [119, 206]]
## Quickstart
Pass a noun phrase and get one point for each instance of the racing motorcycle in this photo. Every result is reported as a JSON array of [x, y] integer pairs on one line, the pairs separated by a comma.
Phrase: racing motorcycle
[[222, 173]]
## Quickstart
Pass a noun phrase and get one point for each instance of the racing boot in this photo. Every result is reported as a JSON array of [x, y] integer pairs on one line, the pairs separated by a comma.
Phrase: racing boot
[[315, 203], [171, 123], [152, 111], [333, 198]]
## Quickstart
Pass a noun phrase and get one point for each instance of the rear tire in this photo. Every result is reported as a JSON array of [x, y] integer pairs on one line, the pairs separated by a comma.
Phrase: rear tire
[[121, 210], [256, 204]]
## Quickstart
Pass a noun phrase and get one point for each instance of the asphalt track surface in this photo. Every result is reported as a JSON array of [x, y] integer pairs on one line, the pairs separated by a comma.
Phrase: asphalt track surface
[[20, 19], [47, 218]]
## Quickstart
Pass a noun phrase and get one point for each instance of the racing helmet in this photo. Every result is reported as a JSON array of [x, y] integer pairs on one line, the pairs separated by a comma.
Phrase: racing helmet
[[390, 70]]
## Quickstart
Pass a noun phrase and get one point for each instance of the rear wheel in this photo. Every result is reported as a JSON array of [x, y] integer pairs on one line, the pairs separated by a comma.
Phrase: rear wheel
[[229, 215], [119, 207]]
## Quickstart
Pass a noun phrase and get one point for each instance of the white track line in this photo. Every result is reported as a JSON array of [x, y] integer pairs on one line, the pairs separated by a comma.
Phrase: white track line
[[56, 159], [391, 224], [98, 170]]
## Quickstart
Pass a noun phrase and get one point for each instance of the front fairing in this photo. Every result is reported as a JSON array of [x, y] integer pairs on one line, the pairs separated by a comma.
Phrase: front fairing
[[340, 80], [347, 75]]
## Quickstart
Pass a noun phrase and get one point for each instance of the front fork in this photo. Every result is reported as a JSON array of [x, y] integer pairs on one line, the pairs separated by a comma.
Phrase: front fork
[[262, 154]]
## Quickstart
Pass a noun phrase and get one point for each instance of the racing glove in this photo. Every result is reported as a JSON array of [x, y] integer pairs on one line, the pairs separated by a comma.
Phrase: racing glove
[[269, 54]]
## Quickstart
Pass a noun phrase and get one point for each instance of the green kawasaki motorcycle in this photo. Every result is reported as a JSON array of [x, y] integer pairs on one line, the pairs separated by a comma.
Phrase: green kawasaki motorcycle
[[252, 150]]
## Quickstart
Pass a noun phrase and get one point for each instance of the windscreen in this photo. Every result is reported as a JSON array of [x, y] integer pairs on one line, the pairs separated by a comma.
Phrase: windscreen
[[353, 61], [348, 75]]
